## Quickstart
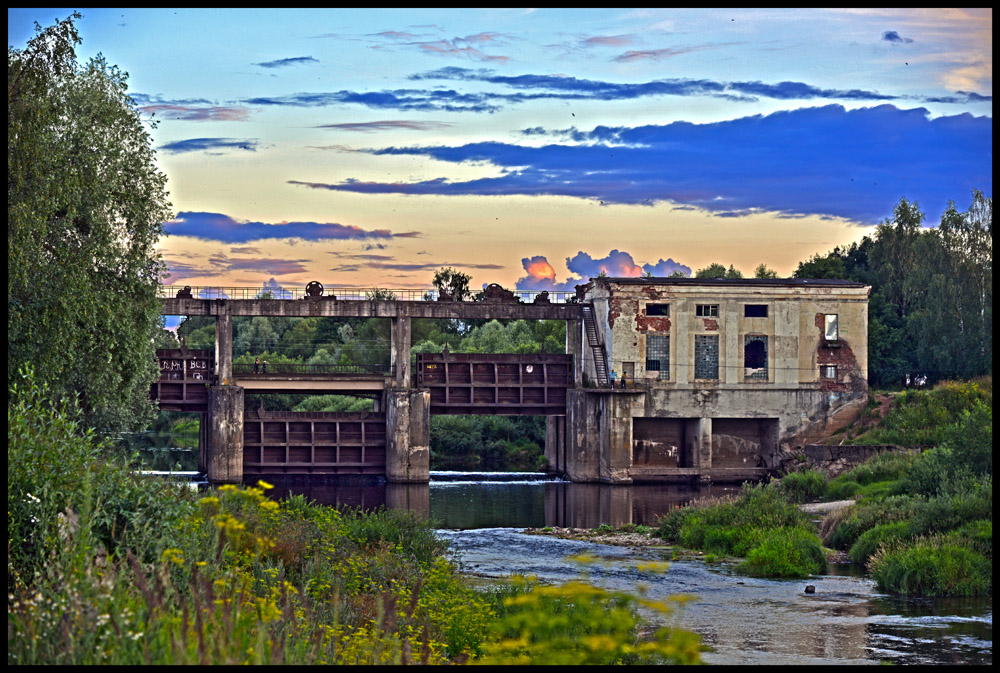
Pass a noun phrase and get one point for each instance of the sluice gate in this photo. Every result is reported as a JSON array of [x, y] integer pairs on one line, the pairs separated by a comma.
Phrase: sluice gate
[[331, 443]]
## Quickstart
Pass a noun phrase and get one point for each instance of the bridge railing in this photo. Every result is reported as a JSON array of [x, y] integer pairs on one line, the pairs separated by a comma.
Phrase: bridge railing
[[292, 369], [340, 293]]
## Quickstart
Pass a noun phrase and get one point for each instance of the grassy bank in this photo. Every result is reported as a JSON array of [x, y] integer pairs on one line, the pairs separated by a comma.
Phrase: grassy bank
[[107, 567], [922, 523]]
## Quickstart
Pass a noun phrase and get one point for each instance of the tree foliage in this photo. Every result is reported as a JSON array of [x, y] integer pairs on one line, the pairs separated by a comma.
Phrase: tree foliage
[[931, 304], [85, 207], [716, 270], [763, 271], [453, 283]]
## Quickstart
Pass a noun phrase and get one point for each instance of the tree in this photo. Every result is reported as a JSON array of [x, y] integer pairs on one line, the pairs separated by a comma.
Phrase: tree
[[452, 283], [85, 208], [716, 270], [762, 271]]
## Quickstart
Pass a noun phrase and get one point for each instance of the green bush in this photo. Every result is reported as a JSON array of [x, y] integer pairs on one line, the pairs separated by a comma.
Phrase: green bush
[[926, 417], [759, 524], [785, 552], [952, 510], [803, 486], [932, 567], [869, 541], [865, 516], [842, 488]]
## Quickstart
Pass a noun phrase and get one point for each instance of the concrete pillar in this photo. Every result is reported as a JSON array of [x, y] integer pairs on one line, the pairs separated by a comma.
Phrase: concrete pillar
[[583, 435], [599, 436], [704, 435], [224, 455], [616, 454], [203, 443], [575, 347], [224, 345], [400, 350], [555, 443], [408, 450]]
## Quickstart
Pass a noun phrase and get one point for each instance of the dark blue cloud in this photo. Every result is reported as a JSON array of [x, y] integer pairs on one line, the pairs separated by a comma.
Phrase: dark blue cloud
[[400, 99], [893, 36], [284, 62], [548, 87], [219, 227], [209, 144], [854, 164]]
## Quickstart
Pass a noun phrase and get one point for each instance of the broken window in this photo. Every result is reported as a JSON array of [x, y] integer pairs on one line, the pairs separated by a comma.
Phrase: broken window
[[658, 309], [831, 331], [828, 371], [707, 310], [658, 355], [755, 310], [755, 357], [706, 356]]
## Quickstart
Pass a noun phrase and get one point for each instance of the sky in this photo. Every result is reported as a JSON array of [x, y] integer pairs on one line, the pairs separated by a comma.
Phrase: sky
[[537, 148]]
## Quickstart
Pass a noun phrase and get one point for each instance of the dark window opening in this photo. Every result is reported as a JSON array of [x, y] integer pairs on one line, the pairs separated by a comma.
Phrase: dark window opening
[[755, 358], [707, 310], [658, 309], [755, 310]]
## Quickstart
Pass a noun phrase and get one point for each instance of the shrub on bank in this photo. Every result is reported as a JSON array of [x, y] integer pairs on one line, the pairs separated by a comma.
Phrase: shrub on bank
[[785, 552], [932, 567], [759, 523], [803, 486], [922, 417]]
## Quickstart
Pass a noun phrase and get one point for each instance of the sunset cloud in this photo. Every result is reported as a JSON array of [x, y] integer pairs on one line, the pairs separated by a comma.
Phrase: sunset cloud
[[583, 267]]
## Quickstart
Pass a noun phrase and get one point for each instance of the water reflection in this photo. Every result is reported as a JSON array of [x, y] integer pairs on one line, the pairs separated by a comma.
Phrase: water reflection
[[475, 502]]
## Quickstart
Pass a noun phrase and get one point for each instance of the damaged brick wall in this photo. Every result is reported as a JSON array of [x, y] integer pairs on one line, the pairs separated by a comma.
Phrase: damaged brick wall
[[840, 355]]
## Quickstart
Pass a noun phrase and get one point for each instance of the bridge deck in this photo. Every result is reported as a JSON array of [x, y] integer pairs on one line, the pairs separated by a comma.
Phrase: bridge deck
[[335, 308]]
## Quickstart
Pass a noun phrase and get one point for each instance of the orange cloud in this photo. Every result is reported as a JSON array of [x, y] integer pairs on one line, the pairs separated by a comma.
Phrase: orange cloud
[[541, 269]]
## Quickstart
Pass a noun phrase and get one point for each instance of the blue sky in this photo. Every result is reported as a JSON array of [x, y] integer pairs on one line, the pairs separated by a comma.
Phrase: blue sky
[[535, 148]]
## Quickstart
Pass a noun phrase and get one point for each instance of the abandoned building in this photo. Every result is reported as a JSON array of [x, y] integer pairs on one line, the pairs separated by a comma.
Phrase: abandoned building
[[713, 378]]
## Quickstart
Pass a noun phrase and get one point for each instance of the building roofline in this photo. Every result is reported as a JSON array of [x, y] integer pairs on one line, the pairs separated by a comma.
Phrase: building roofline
[[746, 282]]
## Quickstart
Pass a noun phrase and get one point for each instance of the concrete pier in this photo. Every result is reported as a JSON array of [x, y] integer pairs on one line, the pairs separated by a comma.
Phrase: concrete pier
[[224, 435], [408, 450]]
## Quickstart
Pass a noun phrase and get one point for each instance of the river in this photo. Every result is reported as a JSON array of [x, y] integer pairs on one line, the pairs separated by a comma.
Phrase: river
[[743, 620]]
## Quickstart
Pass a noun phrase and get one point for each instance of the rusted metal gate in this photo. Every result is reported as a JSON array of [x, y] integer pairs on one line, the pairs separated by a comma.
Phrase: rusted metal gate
[[496, 384], [291, 442], [184, 377]]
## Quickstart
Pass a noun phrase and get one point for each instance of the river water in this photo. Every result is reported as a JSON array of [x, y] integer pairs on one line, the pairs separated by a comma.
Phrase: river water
[[743, 620]]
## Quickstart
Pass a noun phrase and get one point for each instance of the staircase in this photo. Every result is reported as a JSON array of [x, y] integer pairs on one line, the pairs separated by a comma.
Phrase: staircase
[[600, 358]]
